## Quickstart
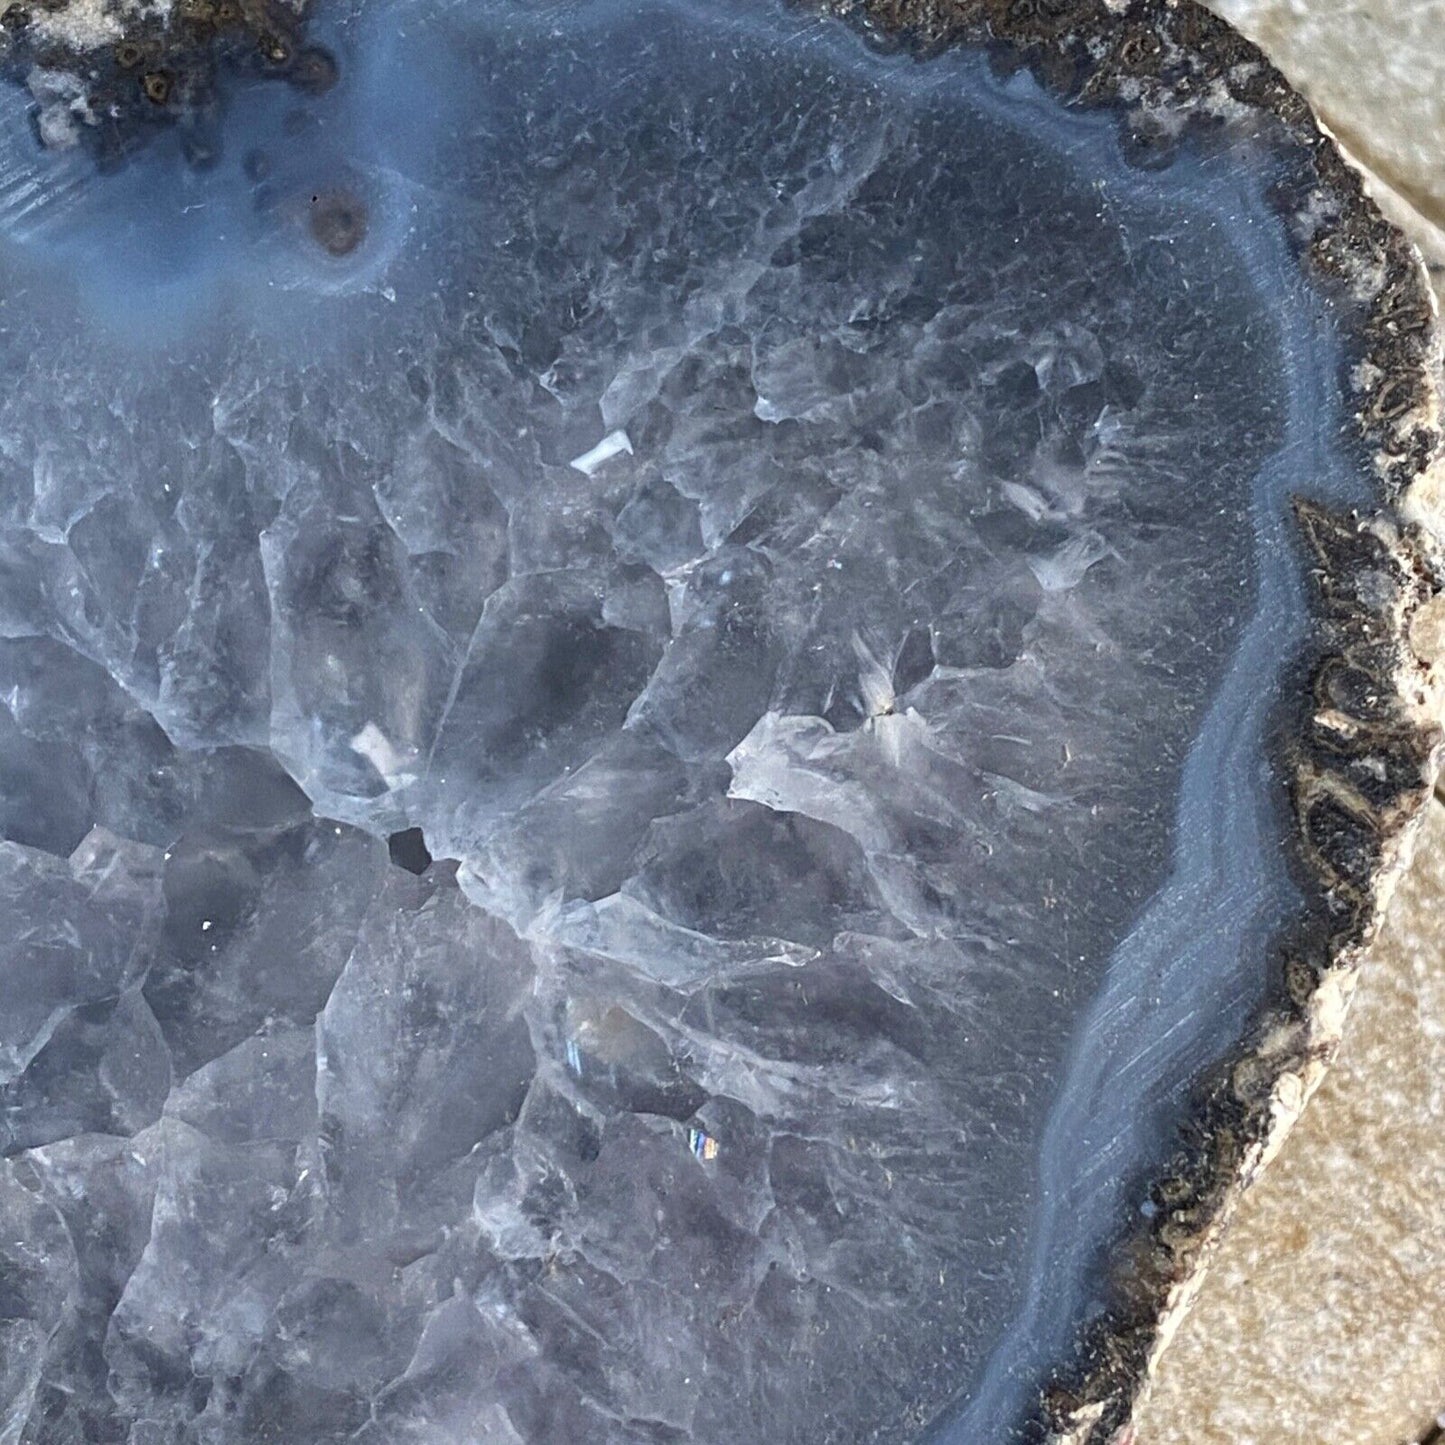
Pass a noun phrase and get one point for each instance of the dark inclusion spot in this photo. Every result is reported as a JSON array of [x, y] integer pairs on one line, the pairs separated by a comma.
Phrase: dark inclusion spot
[[314, 71], [408, 850], [157, 87], [338, 221]]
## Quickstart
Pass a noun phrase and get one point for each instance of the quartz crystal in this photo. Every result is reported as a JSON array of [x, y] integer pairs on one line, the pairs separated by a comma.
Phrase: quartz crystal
[[643, 655]]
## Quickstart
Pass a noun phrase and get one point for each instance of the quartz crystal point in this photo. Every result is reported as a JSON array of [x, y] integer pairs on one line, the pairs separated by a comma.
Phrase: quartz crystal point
[[700, 705]]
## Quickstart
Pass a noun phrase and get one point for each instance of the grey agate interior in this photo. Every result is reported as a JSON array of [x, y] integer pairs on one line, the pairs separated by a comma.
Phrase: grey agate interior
[[806, 530]]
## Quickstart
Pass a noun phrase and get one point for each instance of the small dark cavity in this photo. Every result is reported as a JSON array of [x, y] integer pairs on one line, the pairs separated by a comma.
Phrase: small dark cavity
[[589, 1144], [915, 661], [157, 86], [1123, 386], [338, 221], [1016, 385], [408, 850]]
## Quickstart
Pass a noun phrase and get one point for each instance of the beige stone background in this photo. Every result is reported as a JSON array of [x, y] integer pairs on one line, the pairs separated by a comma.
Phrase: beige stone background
[[1322, 1321]]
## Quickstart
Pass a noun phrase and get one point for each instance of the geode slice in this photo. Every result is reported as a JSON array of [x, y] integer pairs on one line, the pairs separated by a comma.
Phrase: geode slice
[[701, 707]]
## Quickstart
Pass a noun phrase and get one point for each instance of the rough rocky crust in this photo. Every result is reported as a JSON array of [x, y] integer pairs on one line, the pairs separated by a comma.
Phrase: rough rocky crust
[[1363, 751], [106, 73]]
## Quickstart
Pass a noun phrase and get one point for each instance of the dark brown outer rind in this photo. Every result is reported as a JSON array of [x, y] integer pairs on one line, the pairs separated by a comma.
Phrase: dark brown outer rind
[[1364, 748], [162, 67]]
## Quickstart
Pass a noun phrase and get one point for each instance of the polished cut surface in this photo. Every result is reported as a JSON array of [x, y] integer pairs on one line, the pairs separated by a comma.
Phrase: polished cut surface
[[801, 535]]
